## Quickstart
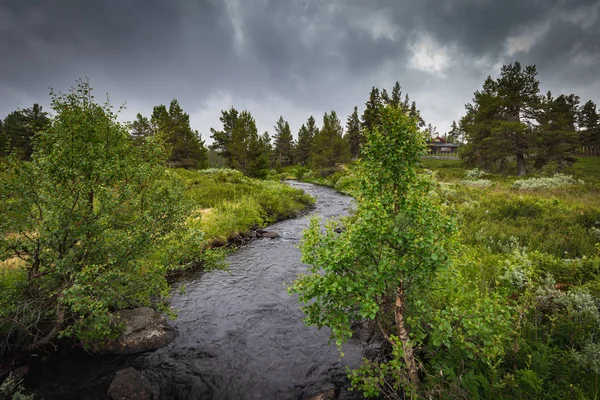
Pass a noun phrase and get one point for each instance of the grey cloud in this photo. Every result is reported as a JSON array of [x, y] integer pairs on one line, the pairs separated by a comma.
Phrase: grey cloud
[[316, 55]]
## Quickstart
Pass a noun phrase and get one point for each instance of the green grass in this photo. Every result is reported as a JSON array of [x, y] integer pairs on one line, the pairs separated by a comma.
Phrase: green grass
[[586, 168], [228, 204]]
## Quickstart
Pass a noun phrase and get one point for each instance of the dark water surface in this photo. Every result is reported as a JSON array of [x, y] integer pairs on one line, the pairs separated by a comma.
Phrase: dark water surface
[[240, 335]]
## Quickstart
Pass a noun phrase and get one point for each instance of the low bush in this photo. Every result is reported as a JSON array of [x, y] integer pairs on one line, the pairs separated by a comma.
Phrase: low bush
[[554, 182]]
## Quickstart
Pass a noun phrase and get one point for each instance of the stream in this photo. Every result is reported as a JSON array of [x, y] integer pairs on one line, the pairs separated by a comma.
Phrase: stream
[[240, 335]]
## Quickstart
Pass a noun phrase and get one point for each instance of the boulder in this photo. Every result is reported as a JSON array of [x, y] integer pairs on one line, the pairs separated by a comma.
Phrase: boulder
[[145, 330], [270, 235], [129, 383], [331, 394]]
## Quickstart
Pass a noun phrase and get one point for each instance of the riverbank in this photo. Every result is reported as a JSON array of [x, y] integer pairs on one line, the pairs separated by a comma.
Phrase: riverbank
[[240, 335], [226, 207], [528, 264]]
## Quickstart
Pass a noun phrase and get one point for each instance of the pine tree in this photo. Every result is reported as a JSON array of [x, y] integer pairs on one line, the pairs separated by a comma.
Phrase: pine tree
[[370, 116], [284, 144], [396, 99], [3, 140], [430, 132], [222, 138], [249, 152], [406, 104], [140, 129], [302, 152], [455, 134], [385, 97], [556, 133], [19, 128], [416, 114], [499, 124], [173, 126], [353, 135], [330, 148], [589, 125]]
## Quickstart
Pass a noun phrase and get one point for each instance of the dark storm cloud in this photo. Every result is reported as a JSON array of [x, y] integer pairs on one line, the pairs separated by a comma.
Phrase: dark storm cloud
[[291, 57]]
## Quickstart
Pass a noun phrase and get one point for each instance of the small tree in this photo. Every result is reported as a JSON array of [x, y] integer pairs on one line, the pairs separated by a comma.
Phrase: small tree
[[141, 129], [83, 217], [329, 147], [283, 144], [381, 264], [353, 134], [19, 129]]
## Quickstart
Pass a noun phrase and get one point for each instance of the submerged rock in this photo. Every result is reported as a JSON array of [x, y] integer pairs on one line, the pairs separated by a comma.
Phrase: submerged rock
[[145, 330], [270, 234], [331, 394], [129, 383]]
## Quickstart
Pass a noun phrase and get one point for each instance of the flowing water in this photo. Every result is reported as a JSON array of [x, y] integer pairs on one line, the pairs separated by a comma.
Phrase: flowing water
[[240, 335]]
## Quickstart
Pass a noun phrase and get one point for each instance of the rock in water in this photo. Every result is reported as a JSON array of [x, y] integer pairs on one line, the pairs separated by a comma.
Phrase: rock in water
[[129, 383], [331, 394], [270, 235], [145, 330]]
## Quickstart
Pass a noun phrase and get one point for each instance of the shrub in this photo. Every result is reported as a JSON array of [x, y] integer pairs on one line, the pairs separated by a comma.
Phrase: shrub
[[84, 215], [482, 183], [554, 182], [475, 174]]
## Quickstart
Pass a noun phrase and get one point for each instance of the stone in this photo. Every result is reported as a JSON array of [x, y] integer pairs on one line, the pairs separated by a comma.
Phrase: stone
[[129, 383], [270, 235], [145, 330], [331, 394]]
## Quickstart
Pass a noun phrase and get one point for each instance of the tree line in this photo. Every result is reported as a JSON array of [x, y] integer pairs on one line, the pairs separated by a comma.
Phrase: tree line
[[237, 144], [510, 120]]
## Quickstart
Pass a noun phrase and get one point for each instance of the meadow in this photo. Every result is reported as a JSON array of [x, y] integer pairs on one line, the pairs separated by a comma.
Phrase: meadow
[[517, 315]]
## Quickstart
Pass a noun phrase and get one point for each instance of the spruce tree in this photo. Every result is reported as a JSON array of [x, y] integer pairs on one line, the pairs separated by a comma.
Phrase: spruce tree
[[370, 117], [3, 140], [249, 152], [589, 127], [284, 144], [396, 99], [454, 136], [303, 147], [330, 148], [353, 135], [385, 97], [173, 126], [222, 138], [140, 129]]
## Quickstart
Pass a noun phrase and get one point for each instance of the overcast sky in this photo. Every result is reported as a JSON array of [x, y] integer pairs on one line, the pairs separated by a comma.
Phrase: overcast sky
[[291, 57]]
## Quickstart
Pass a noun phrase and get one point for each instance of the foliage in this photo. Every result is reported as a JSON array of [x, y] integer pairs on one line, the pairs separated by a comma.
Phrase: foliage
[[173, 126], [13, 390], [553, 182], [141, 129], [18, 130], [82, 216], [284, 144], [329, 147], [353, 135], [229, 204], [474, 174], [306, 136], [483, 183], [498, 123], [240, 145], [515, 314], [380, 265]]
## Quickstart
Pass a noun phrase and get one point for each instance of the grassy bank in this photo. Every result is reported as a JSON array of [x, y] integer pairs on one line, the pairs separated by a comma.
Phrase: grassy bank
[[529, 252], [228, 204]]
